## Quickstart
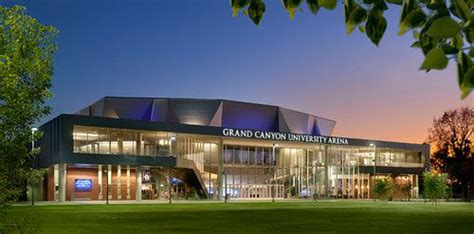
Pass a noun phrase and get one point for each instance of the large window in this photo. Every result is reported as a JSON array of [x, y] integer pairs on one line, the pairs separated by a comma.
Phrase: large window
[[248, 172], [312, 170], [95, 140], [399, 158]]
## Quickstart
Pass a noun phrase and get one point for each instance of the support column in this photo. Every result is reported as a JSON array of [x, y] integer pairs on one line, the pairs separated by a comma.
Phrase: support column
[[138, 143], [358, 182], [109, 181], [138, 190], [128, 182], [368, 186], [353, 185], [343, 176], [119, 182], [158, 186], [220, 170], [99, 181], [120, 143], [326, 171], [62, 182], [417, 191], [55, 182]]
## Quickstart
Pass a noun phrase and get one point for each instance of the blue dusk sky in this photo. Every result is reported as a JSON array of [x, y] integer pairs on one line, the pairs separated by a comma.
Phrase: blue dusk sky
[[196, 49]]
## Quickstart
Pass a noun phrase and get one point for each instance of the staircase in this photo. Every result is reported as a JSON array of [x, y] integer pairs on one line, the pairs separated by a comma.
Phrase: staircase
[[187, 170]]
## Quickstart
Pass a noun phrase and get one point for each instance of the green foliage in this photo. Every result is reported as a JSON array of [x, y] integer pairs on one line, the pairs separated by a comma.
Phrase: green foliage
[[26, 67], [461, 10], [291, 6], [237, 5], [328, 4], [256, 10], [17, 225], [402, 188], [435, 25], [405, 189], [376, 25], [414, 19], [444, 27], [435, 59], [35, 176], [434, 186], [313, 6], [382, 188], [465, 77], [356, 17]]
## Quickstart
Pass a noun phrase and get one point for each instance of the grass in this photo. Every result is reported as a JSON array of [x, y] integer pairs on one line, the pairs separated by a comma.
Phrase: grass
[[252, 217]]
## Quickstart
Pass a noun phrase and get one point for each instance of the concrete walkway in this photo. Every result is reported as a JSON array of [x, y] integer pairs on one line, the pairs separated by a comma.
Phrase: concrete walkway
[[50, 203], [115, 202]]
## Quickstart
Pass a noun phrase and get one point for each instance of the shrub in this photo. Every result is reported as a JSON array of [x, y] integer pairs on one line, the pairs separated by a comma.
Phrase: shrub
[[382, 188], [435, 186]]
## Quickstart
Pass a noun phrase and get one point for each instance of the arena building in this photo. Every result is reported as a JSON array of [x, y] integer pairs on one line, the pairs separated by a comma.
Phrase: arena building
[[123, 148]]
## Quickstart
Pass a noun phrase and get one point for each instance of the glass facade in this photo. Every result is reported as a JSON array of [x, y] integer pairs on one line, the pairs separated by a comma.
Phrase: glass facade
[[248, 171], [254, 170], [211, 168], [93, 140]]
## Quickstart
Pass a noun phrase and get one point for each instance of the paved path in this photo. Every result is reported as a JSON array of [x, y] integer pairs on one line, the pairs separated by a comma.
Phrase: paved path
[[49, 203]]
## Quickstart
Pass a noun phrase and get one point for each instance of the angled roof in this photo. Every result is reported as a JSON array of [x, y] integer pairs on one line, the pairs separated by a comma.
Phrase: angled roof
[[210, 112]]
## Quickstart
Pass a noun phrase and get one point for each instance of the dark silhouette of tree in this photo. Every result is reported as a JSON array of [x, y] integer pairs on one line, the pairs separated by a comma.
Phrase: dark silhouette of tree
[[451, 135]]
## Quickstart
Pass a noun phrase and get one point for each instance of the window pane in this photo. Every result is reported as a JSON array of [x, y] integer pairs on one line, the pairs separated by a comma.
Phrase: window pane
[[104, 142]]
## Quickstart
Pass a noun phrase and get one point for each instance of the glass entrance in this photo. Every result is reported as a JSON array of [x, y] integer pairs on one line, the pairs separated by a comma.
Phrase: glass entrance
[[154, 183]]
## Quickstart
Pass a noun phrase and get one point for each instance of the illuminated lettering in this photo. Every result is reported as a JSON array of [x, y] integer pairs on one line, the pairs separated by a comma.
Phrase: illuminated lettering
[[280, 136]]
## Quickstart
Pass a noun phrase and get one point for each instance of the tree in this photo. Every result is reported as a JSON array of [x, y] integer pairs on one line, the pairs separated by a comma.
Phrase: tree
[[441, 31], [26, 67], [435, 186], [382, 188], [402, 188], [451, 135], [34, 178]]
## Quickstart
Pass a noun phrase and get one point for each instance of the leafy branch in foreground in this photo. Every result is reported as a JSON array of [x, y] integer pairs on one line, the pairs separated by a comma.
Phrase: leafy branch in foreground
[[442, 30]]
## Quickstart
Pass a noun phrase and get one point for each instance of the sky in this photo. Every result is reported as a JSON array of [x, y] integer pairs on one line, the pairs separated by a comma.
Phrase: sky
[[196, 49]]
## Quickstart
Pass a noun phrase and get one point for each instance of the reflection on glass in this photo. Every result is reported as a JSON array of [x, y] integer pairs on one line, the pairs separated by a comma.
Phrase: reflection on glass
[[94, 140], [310, 171]]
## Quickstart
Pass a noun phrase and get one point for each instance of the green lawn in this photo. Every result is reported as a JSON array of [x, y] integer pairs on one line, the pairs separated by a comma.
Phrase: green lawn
[[282, 217]]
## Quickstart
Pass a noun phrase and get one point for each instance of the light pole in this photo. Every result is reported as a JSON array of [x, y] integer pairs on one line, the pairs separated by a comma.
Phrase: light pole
[[273, 170], [171, 139], [375, 162], [33, 130], [225, 187]]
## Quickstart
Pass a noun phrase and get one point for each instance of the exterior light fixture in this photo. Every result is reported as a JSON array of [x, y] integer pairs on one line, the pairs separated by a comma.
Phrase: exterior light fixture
[[375, 161], [33, 130], [171, 139]]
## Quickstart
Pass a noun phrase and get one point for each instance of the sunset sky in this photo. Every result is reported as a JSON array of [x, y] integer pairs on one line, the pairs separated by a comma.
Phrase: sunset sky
[[190, 48]]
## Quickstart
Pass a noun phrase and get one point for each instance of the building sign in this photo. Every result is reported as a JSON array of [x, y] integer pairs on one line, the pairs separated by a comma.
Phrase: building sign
[[83, 185], [283, 136]]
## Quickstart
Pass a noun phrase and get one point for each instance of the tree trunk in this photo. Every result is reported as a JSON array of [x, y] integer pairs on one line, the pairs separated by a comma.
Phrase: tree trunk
[[465, 190], [471, 182]]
